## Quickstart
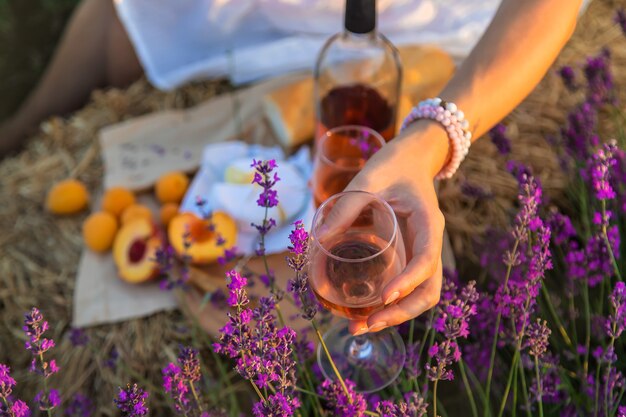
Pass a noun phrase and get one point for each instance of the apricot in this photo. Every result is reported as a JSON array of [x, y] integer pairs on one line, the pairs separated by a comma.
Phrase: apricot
[[67, 197], [167, 213], [136, 211], [171, 187], [99, 231], [203, 236], [116, 200], [135, 248]]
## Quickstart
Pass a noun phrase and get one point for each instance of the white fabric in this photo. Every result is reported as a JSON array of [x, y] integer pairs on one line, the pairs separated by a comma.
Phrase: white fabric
[[239, 200], [182, 40]]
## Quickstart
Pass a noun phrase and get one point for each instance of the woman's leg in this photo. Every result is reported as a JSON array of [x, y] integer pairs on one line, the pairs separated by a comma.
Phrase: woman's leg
[[93, 52]]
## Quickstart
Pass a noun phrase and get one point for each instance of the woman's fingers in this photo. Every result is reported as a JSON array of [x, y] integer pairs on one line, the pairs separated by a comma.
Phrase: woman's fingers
[[427, 231], [423, 298], [342, 214]]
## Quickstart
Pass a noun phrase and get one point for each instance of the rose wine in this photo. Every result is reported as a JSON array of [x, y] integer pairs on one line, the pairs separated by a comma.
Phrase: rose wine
[[333, 179], [349, 282], [356, 104], [357, 75]]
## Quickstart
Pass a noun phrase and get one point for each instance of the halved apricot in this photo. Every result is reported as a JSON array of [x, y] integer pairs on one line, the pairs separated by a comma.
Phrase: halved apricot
[[134, 250], [207, 239]]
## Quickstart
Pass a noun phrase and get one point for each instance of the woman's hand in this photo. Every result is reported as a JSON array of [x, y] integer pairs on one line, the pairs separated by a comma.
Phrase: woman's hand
[[402, 173]]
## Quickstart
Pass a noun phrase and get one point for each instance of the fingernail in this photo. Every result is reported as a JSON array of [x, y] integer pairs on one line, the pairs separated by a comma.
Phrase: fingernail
[[377, 326], [360, 331], [393, 297]]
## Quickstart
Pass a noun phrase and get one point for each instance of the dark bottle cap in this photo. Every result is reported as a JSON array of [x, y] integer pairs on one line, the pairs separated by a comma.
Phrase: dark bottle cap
[[360, 16]]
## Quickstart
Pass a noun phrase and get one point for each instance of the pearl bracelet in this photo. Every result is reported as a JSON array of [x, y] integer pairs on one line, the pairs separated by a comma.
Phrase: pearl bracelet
[[453, 120]]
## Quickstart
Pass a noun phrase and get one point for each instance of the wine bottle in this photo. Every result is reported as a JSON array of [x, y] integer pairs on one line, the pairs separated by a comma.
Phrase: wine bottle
[[357, 75]]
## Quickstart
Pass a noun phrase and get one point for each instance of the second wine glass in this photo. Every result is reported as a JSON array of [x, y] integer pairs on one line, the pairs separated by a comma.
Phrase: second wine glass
[[340, 154]]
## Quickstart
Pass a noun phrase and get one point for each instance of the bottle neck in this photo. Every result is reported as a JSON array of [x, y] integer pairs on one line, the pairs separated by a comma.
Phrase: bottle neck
[[359, 37]]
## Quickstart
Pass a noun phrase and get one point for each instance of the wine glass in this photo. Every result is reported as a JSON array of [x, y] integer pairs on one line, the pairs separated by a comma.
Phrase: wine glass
[[341, 153], [356, 250]]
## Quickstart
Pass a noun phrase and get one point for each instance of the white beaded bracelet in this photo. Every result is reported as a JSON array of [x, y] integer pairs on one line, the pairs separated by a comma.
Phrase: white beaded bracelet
[[453, 120]]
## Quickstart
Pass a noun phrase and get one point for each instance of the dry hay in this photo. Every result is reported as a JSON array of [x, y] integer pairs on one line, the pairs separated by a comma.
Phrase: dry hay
[[39, 252]]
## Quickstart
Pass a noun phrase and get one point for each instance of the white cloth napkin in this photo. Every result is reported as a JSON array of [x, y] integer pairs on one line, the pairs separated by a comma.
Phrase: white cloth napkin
[[239, 200]]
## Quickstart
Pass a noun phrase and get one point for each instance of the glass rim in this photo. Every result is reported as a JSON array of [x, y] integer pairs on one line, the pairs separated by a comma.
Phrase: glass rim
[[352, 260], [322, 140]]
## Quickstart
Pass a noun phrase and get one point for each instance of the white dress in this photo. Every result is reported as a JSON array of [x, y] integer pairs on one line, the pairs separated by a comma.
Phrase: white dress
[[182, 40]]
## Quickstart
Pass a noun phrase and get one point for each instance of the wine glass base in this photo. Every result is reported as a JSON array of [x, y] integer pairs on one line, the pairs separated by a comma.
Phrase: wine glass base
[[372, 361]]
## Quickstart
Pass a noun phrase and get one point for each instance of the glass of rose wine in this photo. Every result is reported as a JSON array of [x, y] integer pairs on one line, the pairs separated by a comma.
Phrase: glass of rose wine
[[356, 250], [341, 153]]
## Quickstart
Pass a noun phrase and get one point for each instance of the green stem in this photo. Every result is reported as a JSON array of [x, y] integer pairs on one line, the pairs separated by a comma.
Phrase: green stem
[[371, 413], [411, 330], [539, 388], [514, 407], [587, 329], [258, 392], [524, 388], [435, 397], [494, 344], [507, 389], [608, 245], [555, 317], [195, 395], [596, 407], [332, 362], [468, 389], [608, 373]]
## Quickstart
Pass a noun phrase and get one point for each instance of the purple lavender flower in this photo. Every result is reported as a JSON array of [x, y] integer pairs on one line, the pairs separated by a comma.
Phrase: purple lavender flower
[[6, 381], [547, 389], [263, 353], [229, 255], [111, 361], [8, 407], [600, 167], [171, 277], [35, 326], [621, 411], [299, 286], [616, 322], [569, 78], [537, 338], [174, 384], [19, 409], [48, 401], [599, 79], [268, 197], [474, 191], [411, 366], [237, 296], [340, 404], [189, 363], [562, 229], [131, 401], [413, 406], [79, 406], [499, 138], [263, 176], [78, 337], [277, 405], [620, 19]]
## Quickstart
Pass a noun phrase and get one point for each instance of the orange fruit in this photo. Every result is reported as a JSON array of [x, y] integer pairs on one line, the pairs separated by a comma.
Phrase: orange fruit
[[67, 197], [168, 212], [136, 211], [171, 187], [99, 230], [116, 200]]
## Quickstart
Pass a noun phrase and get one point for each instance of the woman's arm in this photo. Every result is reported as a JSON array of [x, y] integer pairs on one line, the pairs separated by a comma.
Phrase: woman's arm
[[515, 52], [519, 46]]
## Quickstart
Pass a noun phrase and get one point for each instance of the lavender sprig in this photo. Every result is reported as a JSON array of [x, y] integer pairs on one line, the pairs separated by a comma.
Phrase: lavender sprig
[[131, 401], [8, 406]]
